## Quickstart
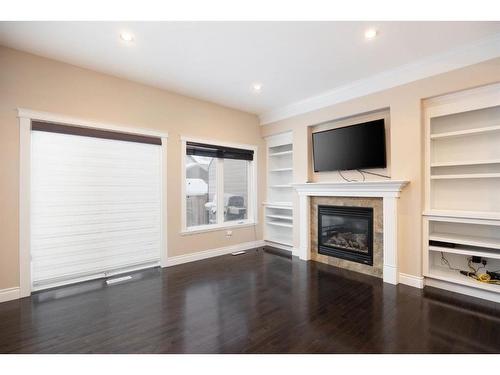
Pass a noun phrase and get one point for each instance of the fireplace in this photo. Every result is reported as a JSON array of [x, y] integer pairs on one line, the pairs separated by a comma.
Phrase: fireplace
[[346, 233]]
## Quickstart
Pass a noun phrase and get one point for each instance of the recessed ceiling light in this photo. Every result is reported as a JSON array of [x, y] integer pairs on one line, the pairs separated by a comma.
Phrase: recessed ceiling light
[[126, 36], [257, 87], [371, 34]]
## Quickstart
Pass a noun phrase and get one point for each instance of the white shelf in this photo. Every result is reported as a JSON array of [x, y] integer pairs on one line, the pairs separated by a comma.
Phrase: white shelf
[[465, 162], [462, 138], [279, 209], [466, 132], [281, 170], [282, 217], [279, 224], [461, 176], [462, 239], [280, 205], [283, 153], [464, 214], [468, 252], [457, 278]]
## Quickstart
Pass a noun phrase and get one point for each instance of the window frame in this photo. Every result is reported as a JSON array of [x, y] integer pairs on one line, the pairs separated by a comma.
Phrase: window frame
[[251, 219], [25, 118]]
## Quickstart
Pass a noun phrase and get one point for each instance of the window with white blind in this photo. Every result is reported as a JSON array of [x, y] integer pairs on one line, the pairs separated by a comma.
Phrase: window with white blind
[[95, 204], [219, 186]]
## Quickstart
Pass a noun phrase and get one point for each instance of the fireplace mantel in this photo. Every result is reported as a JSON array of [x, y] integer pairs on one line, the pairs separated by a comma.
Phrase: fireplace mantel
[[389, 190], [382, 188]]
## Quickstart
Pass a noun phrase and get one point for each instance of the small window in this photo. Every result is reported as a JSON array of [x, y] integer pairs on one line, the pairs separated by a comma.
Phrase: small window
[[201, 190], [218, 186], [235, 189]]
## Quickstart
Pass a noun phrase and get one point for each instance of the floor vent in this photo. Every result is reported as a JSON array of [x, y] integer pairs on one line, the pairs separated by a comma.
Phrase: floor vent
[[238, 253], [118, 280]]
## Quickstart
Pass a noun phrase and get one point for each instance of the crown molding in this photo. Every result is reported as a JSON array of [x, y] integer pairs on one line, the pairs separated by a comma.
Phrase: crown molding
[[482, 50]]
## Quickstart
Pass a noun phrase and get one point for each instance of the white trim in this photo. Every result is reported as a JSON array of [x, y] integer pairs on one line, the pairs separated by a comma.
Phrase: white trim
[[217, 227], [277, 245], [25, 117], [459, 102], [183, 186], [279, 139], [382, 188], [200, 255], [252, 190], [390, 239], [414, 281], [164, 212], [24, 206], [482, 50], [304, 251], [389, 190], [74, 121], [9, 294], [463, 289]]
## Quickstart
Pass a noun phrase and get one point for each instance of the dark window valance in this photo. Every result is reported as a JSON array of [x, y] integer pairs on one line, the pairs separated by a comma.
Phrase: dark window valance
[[95, 133], [202, 149]]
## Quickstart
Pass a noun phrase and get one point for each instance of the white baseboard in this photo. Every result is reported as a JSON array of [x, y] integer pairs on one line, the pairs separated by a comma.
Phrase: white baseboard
[[463, 289], [279, 246], [14, 293], [193, 257], [9, 294], [414, 281]]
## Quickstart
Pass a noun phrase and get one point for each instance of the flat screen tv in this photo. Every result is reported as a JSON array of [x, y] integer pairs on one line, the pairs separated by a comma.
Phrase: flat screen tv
[[357, 146]]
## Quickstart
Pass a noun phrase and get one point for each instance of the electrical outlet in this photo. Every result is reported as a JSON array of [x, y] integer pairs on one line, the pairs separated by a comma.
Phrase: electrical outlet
[[229, 233]]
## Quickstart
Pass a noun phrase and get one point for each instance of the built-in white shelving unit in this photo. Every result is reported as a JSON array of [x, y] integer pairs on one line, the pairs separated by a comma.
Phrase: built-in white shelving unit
[[462, 189], [278, 208]]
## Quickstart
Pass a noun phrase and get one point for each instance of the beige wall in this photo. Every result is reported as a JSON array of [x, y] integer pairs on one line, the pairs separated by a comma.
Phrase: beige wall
[[406, 143], [42, 84]]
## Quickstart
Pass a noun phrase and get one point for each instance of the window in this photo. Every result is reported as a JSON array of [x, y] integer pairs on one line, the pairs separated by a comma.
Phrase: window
[[218, 187], [95, 203]]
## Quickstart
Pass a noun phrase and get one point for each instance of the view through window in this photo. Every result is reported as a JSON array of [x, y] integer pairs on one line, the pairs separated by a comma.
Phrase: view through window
[[210, 179]]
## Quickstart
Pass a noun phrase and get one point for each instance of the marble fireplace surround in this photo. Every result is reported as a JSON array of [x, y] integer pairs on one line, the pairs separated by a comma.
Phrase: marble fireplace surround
[[388, 190]]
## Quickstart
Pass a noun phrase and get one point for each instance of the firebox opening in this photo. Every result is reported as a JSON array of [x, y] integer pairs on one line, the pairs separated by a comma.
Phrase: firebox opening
[[346, 233]]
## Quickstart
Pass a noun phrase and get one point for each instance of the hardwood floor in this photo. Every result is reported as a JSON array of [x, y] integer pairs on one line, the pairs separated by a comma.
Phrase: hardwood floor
[[260, 302]]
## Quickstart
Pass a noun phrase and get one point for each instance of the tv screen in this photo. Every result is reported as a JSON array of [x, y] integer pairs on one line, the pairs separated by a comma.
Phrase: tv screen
[[351, 147]]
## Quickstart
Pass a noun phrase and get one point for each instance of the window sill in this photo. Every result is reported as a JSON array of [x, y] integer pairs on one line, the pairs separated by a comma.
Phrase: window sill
[[217, 227]]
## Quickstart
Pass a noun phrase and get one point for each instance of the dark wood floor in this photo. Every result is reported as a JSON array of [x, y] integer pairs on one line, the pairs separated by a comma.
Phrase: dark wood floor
[[260, 302]]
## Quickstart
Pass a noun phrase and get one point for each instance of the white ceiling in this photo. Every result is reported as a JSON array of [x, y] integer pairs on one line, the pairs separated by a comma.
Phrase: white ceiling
[[218, 61]]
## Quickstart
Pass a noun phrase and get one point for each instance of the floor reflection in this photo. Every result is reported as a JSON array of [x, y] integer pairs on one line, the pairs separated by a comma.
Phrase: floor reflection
[[260, 302]]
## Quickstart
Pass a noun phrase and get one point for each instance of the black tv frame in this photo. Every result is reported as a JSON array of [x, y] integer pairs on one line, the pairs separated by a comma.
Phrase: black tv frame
[[349, 126]]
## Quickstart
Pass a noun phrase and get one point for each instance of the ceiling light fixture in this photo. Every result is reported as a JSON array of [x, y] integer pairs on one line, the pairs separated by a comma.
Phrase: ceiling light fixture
[[257, 87], [371, 34], [126, 36]]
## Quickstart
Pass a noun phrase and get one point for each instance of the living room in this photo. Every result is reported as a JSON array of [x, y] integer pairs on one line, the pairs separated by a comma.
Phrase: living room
[[259, 186]]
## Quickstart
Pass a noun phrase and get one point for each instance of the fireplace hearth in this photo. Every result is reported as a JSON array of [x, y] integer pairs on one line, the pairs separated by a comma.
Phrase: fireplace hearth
[[346, 233]]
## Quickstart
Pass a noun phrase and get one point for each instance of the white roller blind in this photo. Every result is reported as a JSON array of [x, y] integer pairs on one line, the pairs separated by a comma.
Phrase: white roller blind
[[95, 206]]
